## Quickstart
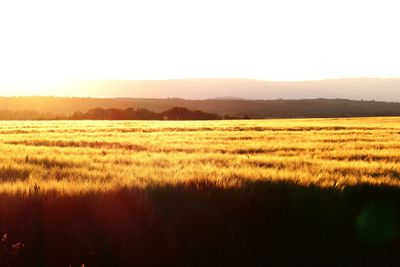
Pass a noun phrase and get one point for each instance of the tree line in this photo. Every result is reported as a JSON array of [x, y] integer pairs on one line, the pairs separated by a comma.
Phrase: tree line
[[54, 108], [175, 113]]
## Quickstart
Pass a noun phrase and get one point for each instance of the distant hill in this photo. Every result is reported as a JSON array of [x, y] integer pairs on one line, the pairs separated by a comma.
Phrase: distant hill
[[56, 107], [353, 89], [228, 98]]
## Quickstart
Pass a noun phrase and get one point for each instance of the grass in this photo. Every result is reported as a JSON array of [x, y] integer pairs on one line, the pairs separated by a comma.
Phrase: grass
[[214, 193]]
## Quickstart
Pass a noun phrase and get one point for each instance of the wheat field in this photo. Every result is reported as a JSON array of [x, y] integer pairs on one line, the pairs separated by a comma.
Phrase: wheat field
[[79, 156], [295, 192]]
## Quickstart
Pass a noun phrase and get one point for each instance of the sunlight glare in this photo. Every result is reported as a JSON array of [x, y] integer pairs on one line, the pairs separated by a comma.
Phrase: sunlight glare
[[46, 42]]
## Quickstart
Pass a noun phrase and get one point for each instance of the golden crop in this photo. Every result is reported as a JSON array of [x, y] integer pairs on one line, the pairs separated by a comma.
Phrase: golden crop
[[80, 156]]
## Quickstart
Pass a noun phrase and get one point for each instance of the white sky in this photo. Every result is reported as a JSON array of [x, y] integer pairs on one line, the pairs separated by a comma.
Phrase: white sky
[[44, 42]]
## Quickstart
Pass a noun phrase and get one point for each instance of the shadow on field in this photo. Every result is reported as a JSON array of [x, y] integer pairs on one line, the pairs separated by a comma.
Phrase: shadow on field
[[204, 224]]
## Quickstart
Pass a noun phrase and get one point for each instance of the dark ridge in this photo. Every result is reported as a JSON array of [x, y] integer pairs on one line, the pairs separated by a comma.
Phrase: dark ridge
[[63, 108]]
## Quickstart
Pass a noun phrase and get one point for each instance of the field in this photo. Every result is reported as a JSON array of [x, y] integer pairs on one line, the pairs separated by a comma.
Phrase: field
[[211, 193]]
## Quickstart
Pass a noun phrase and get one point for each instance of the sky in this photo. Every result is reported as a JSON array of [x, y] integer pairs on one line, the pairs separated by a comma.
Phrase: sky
[[45, 42]]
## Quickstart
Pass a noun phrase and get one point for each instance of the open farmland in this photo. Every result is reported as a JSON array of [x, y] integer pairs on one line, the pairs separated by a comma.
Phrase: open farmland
[[210, 193], [84, 156]]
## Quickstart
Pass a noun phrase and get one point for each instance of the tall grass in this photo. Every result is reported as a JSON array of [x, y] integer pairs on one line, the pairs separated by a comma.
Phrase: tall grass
[[203, 223], [88, 155]]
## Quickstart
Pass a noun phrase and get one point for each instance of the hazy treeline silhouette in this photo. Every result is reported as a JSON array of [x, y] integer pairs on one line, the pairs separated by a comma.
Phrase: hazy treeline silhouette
[[64, 107], [176, 113]]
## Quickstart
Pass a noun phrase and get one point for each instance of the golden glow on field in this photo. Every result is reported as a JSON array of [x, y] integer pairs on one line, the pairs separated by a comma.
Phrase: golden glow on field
[[78, 156], [45, 42]]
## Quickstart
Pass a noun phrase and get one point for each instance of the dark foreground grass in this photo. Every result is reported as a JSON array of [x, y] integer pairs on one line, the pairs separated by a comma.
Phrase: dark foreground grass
[[204, 224]]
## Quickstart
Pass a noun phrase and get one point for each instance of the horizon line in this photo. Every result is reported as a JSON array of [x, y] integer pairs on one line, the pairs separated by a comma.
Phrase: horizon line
[[222, 98]]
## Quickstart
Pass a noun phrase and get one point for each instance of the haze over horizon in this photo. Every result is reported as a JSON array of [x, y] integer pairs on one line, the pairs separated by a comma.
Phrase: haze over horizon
[[47, 43], [355, 89]]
